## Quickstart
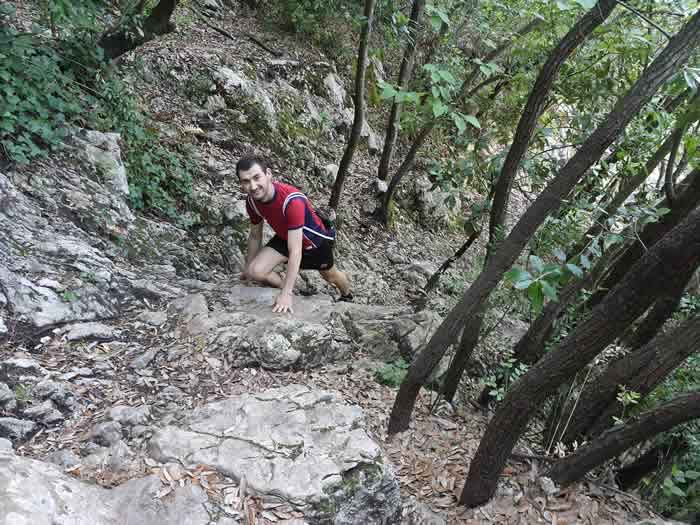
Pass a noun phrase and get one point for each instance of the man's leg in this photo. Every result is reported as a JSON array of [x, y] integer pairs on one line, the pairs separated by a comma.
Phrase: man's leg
[[260, 268], [337, 279]]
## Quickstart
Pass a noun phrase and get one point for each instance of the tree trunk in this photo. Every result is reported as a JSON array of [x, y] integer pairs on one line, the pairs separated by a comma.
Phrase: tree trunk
[[661, 69], [662, 310], [425, 131], [359, 106], [680, 410], [651, 233], [536, 104], [392, 131], [467, 344], [119, 40], [632, 474], [640, 371], [654, 272]]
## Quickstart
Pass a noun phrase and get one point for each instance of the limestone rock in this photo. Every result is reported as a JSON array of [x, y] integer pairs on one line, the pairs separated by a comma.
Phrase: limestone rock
[[57, 392], [16, 429], [107, 433], [64, 458], [45, 413], [305, 446], [156, 319], [8, 401], [56, 497], [142, 361], [20, 370], [103, 151], [130, 416], [335, 91], [248, 95], [43, 307], [93, 330]]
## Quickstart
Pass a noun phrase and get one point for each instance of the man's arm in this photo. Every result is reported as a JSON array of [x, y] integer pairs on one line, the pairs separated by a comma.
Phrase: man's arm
[[283, 303], [254, 244]]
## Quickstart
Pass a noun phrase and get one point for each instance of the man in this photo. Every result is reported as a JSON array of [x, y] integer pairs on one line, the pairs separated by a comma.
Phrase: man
[[301, 238]]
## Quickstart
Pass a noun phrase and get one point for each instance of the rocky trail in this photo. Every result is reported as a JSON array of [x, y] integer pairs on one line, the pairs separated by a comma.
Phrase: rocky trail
[[142, 383]]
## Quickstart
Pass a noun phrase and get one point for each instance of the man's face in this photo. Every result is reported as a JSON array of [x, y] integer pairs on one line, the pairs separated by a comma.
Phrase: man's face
[[257, 183]]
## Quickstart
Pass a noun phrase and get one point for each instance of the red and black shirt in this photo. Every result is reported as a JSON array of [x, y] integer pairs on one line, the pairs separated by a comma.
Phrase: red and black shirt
[[289, 209]]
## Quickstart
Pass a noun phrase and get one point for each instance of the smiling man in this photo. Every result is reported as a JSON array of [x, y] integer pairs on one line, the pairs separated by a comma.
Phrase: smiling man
[[301, 238]]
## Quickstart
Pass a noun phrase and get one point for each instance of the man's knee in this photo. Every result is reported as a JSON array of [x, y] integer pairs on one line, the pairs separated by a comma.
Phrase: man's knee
[[256, 271]]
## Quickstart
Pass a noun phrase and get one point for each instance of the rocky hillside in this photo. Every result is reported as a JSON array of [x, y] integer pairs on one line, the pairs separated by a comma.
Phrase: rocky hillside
[[142, 382]]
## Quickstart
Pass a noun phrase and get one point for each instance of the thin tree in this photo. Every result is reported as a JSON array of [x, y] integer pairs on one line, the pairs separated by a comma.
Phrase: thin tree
[[658, 269], [392, 129], [359, 105], [660, 70], [465, 92], [534, 107], [666, 416]]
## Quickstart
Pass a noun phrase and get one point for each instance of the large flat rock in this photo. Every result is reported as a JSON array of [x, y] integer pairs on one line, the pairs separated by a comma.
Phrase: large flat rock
[[304, 446], [37, 493]]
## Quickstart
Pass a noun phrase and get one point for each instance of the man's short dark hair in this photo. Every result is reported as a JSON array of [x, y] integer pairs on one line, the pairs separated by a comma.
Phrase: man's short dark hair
[[248, 161]]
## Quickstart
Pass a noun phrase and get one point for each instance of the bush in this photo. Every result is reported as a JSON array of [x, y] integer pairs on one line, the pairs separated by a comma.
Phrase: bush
[[392, 374], [50, 87]]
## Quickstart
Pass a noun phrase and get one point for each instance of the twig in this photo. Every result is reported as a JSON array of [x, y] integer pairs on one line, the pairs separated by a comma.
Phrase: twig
[[645, 18], [230, 36]]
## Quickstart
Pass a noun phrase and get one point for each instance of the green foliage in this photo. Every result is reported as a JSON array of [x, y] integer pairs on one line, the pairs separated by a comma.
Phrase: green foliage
[[507, 372], [39, 98], [49, 87], [628, 399], [541, 280], [392, 374]]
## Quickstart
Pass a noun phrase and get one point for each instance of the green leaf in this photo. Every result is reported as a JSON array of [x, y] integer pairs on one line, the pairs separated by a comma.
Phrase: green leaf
[[537, 263], [585, 262], [559, 254], [692, 474], [575, 270], [459, 122], [525, 283], [611, 239], [517, 274], [473, 121], [588, 4], [677, 491], [439, 109], [549, 290]]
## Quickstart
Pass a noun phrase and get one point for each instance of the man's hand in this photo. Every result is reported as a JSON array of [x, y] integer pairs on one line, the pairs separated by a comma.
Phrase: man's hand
[[283, 303]]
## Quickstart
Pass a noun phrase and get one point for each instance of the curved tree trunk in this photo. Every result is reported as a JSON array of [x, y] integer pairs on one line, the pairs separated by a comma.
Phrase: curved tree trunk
[[536, 104], [651, 233], [392, 130], [658, 269], [680, 410], [526, 127], [640, 371], [632, 474], [467, 344], [661, 69], [662, 310], [119, 40], [359, 106]]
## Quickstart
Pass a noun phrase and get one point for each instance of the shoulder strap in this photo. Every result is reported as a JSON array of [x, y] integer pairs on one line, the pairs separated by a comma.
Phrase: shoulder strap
[[291, 196]]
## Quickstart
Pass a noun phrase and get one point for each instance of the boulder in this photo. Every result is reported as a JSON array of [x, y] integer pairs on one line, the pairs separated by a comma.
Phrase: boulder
[[16, 370], [8, 400], [305, 446], [107, 433], [16, 429], [103, 151], [98, 331], [45, 413], [38, 493], [250, 96]]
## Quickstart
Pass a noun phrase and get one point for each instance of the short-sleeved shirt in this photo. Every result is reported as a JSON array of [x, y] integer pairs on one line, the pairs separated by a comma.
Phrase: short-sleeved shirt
[[290, 209]]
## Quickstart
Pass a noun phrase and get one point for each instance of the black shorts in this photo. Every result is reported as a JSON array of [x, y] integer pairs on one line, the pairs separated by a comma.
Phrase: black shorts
[[320, 258]]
